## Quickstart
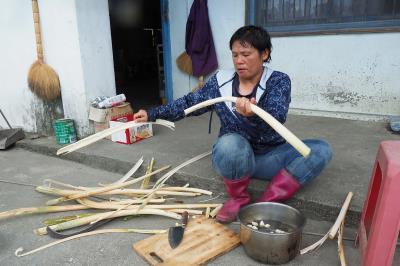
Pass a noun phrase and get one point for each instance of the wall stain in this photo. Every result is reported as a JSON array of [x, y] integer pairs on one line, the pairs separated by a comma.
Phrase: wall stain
[[44, 113], [343, 97]]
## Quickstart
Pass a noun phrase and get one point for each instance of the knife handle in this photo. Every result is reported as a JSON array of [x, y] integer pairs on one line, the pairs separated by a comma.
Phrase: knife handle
[[185, 217]]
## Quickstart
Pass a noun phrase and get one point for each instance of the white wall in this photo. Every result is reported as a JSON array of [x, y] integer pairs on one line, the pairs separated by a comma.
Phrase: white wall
[[80, 46], [353, 75], [225, 17], [18, 53], [77, 44]]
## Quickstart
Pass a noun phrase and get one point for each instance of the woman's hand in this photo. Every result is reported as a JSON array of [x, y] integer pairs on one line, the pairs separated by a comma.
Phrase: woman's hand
[[243, 106], [140, 116]]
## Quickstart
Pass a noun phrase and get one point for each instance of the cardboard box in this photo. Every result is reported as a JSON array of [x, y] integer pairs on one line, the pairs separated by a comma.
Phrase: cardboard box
[[97, 114], [102, 117], [131, 135]]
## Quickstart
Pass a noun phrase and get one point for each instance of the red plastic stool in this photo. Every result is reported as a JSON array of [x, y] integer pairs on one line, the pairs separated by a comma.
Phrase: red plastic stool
[[380, 218]]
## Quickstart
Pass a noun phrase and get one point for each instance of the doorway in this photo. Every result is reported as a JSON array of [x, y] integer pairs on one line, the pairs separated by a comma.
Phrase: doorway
[[136, 34]]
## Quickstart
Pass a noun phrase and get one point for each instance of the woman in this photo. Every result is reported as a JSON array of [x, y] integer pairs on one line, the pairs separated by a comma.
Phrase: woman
[[248, 147]]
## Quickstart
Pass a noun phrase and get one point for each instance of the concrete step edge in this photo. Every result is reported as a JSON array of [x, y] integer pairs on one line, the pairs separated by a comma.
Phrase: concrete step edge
[[312, 209]]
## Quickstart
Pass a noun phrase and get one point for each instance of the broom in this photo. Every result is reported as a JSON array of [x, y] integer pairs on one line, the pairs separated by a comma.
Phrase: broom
[[184, 63], [42, 79]]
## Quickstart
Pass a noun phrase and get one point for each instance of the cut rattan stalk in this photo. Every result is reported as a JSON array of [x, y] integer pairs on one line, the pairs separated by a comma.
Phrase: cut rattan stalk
[[146, 181], [188, 189], [147, 200], [102, 134], [108, 215], [104, 189], [269, 119], [127, 205], [47, 189], [54, 191], [208, 210], [113, 206], [341, 216], [53, 221], [43, 209], [333, 230], [138, 201], [165, 177], [214, 212], [48, 182], [137, 192], [342, 257], [88, 220], [157, 186], [63, 192], [210, 199], [97, 232]]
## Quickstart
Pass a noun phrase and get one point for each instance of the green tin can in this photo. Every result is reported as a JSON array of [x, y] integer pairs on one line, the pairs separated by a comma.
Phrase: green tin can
[[64, 131]]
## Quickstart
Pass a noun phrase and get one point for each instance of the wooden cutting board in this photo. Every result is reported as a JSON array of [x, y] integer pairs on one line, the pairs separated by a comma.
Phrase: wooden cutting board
[[203, 240]]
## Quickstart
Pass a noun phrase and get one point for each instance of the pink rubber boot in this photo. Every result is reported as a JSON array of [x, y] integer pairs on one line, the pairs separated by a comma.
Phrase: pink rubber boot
[[281, 188], [238, 197]]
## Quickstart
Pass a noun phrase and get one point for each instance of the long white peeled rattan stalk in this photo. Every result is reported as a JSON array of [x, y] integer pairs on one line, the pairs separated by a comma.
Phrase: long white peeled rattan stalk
[[315, 245], [42, 209], [107, 132], [94, 217], [131, 172], [109, 205], [269, 119], [97, 232]]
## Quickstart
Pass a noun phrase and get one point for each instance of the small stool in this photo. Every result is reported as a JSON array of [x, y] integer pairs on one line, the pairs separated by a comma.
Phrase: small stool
[[380, 218]]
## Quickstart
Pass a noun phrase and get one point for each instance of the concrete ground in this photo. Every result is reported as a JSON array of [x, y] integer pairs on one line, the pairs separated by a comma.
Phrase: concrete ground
[[24, 167], [354, 144]]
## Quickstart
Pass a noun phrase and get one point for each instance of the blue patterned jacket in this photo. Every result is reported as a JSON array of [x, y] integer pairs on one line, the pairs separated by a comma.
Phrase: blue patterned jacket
[[273, 95]]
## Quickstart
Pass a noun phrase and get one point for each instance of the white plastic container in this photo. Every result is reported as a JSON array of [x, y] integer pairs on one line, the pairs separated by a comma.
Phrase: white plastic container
[[112, 101]]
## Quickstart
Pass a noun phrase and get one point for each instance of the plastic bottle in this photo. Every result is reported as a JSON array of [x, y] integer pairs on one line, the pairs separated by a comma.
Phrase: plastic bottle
[[112, 101]]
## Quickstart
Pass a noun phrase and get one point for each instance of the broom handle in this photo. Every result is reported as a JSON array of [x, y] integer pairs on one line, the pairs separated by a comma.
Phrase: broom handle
[[36, 21]]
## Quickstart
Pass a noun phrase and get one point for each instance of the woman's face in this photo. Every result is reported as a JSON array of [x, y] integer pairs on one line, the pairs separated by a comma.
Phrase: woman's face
[[248, 60]]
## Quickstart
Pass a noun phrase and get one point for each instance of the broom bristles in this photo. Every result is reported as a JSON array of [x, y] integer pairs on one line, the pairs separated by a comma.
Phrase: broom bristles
[[43, 81], [184, 63]]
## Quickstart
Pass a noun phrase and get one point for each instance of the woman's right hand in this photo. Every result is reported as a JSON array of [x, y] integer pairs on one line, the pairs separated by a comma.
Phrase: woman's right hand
[[140, 116], [243, 106]]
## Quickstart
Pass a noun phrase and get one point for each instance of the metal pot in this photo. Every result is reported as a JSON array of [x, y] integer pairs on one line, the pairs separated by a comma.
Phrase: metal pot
[[267, 246]]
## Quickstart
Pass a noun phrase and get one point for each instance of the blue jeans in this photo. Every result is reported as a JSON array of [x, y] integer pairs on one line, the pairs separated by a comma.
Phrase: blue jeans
[[233, 158]]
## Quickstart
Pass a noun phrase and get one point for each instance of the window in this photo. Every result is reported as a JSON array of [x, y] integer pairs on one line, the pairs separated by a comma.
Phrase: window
[[291, 17]]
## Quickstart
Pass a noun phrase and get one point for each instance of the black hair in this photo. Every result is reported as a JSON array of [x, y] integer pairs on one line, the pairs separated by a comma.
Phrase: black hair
[[255, 36]]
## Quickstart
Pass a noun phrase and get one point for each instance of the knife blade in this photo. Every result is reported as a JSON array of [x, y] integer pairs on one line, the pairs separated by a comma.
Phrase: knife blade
[[175, 234]]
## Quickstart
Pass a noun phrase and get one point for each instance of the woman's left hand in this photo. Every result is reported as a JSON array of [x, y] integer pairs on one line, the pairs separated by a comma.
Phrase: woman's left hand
[[243, 106]]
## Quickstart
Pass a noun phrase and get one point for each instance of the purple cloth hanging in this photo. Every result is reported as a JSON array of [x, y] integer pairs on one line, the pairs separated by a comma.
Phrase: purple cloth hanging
[[199, 41]]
